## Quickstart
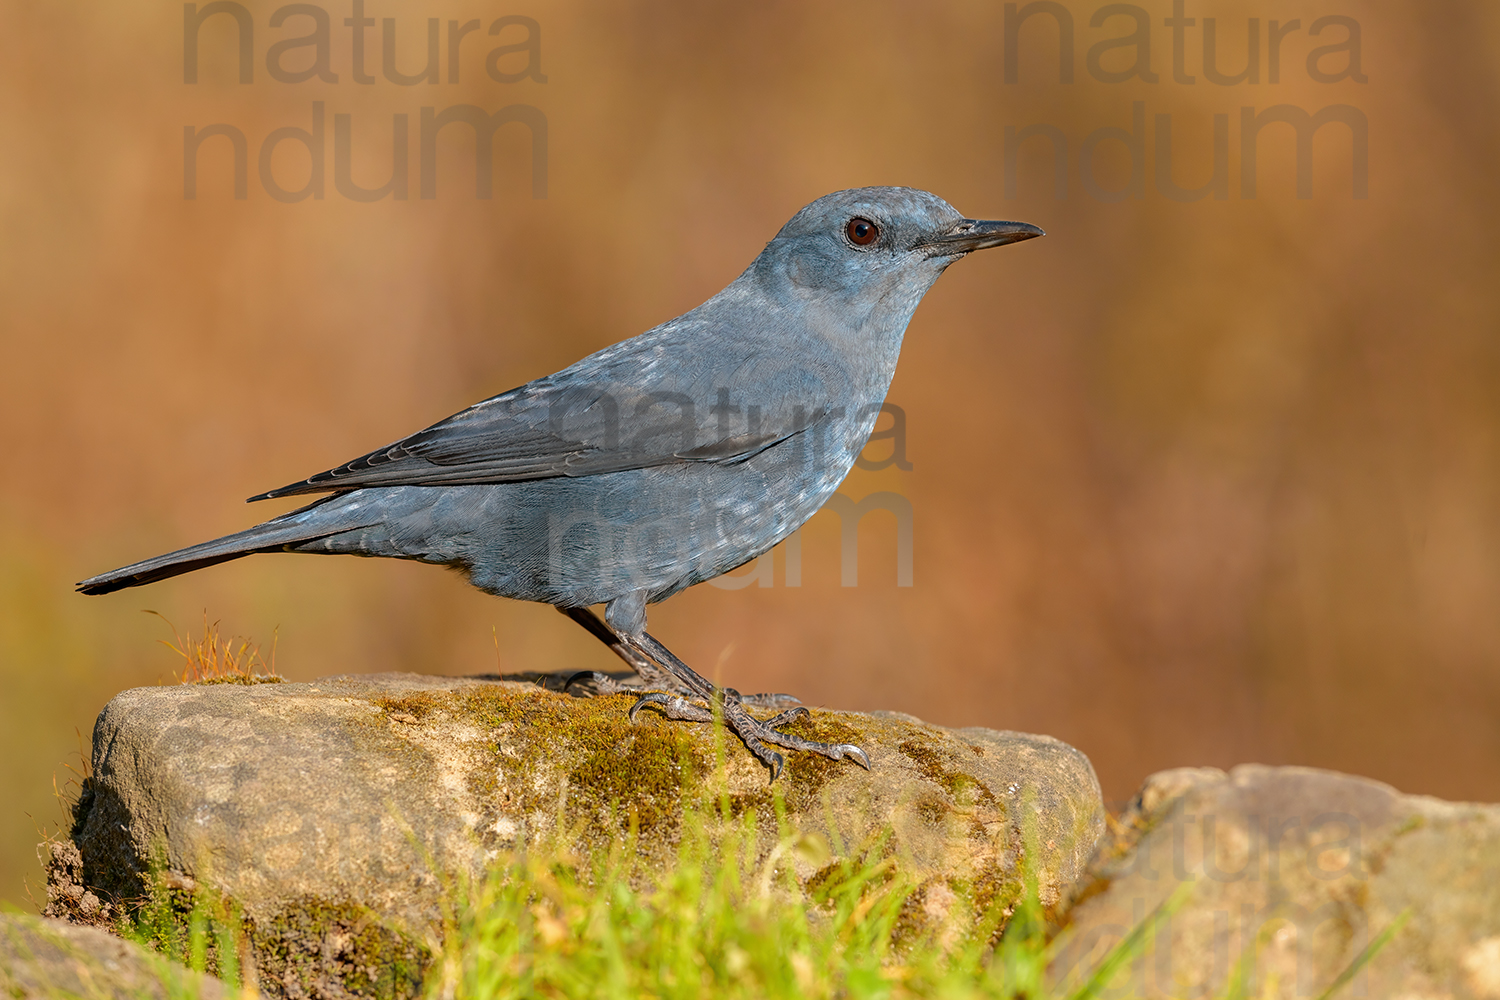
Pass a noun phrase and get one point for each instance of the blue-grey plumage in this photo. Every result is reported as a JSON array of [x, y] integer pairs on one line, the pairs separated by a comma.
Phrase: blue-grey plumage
[[661, 461]]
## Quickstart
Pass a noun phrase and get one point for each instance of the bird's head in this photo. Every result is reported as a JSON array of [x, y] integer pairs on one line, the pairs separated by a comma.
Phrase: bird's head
[[871, 253]]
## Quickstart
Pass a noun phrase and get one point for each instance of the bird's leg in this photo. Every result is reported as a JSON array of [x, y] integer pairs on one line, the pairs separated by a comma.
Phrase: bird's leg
[[651, 675], [754, 732]]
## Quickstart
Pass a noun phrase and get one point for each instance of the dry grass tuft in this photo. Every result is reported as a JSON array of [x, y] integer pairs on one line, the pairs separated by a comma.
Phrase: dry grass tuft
[[210, 659]]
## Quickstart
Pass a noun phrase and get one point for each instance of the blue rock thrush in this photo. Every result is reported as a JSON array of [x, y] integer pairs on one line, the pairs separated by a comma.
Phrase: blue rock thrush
[[657, 463]]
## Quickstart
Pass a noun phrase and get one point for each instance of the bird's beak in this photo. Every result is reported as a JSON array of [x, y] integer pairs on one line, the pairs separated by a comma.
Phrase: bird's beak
[[969, 235]]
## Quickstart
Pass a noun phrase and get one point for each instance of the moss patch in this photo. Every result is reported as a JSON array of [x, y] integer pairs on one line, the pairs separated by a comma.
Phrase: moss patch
[[991, 887], [321, 948], [312, 947], [641, 774], [614, 767], [964, 789], [417, 705], [616, 771]]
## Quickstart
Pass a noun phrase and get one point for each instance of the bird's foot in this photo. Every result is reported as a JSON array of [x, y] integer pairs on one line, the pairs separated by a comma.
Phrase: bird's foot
[[685, 708], [755, 733], [593, 684]]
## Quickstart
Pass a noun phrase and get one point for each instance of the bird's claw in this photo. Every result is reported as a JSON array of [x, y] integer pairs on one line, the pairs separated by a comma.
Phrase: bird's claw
[[859, 756], [755, 733]]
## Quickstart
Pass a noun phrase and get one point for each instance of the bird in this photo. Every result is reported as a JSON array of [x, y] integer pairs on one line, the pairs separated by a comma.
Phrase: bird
[[659, 462]]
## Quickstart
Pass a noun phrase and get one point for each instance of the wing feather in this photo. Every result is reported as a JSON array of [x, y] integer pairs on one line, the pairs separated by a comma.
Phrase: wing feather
[[583, 421]]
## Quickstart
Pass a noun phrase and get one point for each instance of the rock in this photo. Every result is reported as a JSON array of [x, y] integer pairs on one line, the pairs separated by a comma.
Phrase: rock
[[1305, 867], [50, 958], [334, 813]]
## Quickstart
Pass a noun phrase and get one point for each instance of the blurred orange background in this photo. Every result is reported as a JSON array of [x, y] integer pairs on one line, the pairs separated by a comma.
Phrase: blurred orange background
[[1193, 482]]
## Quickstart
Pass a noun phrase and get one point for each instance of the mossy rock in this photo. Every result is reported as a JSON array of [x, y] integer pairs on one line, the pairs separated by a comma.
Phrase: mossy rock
[[338, 815]]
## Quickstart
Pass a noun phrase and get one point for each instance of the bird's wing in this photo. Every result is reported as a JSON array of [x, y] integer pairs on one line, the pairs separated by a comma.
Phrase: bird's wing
[[605, 414]]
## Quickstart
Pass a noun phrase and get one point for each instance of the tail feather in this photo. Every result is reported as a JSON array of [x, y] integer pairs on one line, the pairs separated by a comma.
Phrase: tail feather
[[273, 536]]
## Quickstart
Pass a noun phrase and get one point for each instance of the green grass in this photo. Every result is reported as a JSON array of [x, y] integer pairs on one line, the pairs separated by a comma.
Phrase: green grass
[[719, 925]]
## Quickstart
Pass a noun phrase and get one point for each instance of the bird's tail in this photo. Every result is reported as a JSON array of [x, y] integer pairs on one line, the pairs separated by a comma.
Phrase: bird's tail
[[277, 535]]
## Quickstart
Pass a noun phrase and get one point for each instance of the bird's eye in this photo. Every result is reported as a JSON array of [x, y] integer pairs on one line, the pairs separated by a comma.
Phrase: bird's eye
[[862, 232]]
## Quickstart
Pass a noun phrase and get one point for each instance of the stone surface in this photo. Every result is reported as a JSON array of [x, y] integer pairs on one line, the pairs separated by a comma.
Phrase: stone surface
[[51, 958], [1304, 867], [332, 813]]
